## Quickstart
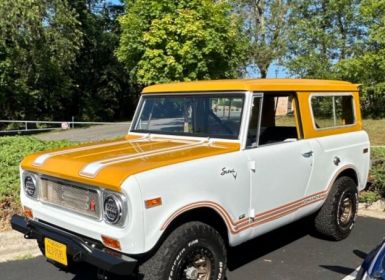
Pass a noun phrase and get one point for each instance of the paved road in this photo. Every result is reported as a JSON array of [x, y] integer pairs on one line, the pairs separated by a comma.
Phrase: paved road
[[291, 253], [92, 133]]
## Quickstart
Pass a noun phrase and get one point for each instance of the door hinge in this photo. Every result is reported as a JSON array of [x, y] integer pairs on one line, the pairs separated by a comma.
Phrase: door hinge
[[252, 215], [252, 165]]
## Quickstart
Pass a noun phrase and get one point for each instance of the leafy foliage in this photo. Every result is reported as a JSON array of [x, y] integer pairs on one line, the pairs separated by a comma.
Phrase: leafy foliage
[[102, 90], [39, 41], [265, 24], [64, 58], [182, 40], [322, 33], [57, 61], [368, 65], [341, 40]]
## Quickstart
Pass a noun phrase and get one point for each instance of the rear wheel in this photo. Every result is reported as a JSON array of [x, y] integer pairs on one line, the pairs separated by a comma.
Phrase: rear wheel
[[193, 251], [337, 216]]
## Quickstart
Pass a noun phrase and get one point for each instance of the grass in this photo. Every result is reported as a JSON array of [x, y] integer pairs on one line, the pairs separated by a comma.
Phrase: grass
[[376, 189], [375, 128], [376, 131]]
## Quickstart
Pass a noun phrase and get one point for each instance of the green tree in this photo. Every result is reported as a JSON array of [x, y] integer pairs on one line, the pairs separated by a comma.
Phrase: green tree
[[368, 65], [39, 40], [101, 87], [265, 23], [184, 40], [322, 33]]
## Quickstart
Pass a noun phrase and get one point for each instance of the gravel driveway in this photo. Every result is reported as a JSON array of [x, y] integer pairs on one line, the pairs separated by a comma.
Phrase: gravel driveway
[[92, 133]]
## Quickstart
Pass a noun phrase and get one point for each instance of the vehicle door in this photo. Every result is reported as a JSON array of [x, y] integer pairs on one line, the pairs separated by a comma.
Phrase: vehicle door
[[280, 161]]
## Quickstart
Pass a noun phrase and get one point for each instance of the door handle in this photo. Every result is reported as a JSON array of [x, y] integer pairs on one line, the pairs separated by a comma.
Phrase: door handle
[[308, 154]]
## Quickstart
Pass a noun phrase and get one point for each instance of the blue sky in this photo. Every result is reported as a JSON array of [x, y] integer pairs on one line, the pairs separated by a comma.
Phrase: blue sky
[[275, 71]]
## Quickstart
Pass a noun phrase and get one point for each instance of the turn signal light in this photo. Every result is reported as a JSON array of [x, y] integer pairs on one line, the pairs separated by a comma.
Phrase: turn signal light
[[111, 243], [153, 202], [27, 212]]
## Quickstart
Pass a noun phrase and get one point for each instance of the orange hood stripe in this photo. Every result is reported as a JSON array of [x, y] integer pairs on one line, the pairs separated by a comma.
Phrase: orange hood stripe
[[123, 158], [42, 158], [91, 170]]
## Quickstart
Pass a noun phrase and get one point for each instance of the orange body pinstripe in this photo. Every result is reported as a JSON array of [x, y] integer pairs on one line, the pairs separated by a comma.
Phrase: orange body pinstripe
[[260, 218]]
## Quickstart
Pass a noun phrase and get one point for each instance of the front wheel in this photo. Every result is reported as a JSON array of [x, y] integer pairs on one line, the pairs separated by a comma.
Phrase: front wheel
[[336, 218], [193, 251]]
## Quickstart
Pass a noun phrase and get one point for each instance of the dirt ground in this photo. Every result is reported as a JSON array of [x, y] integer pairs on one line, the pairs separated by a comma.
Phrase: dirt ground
[[14, 246], [375, 210]]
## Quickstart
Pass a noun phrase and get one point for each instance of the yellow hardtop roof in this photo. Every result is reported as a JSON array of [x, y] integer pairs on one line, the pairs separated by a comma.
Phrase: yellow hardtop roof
[[262, 85]]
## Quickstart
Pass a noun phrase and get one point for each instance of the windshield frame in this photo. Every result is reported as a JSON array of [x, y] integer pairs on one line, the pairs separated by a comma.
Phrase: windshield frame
[[235, 94]]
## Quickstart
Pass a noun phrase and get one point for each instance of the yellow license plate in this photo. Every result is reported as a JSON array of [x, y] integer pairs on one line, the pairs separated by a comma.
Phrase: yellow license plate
[[56, 251]]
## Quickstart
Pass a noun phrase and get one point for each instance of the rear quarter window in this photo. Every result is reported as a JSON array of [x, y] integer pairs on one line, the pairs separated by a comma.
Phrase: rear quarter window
[[332, 111]]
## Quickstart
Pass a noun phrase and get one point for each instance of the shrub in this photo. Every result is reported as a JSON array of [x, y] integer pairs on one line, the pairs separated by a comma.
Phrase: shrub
[[377, 172], [12, 151], [368, 197]]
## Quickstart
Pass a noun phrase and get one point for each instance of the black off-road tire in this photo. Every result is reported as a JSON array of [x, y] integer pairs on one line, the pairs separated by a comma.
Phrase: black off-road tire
[[328, 221], [174, 255]]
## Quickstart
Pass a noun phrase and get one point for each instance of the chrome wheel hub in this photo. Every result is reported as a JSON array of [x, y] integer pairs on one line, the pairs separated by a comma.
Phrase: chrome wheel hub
[[199, 268], [345, 210]]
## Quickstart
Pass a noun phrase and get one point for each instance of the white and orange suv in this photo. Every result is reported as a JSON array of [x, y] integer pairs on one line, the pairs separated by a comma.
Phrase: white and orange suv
[[205, 165]]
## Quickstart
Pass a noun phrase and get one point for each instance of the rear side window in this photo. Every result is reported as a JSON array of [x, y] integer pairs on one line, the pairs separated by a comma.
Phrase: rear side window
[[332, 111]]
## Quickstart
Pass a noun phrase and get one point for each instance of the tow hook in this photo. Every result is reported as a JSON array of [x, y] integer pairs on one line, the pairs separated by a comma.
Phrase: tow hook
[[28, 235], [101, 274], [77, 257]]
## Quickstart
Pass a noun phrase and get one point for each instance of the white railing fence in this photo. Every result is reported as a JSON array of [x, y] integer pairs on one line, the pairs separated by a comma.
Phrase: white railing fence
[[22, 126]]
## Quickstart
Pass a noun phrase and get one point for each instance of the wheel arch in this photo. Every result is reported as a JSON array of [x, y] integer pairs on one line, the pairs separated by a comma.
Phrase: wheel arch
[[193, 213], [349, 172], [204, 214], [211, 215]]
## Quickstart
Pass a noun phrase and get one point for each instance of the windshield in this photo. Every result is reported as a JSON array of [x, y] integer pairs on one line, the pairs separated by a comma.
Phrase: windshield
[[216, 115]]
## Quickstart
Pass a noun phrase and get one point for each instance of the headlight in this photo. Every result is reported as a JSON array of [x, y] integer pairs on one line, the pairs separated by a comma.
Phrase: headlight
[[30, 185], [113, 209]]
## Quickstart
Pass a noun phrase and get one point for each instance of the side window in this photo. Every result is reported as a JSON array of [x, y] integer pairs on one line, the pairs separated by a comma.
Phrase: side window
[[252, 134], [278, 122], [273, 120], [332, 110]]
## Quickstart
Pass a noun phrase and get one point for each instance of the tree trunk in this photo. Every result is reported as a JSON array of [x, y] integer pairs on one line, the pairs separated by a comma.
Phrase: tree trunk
[[263, 69], [263, 72]]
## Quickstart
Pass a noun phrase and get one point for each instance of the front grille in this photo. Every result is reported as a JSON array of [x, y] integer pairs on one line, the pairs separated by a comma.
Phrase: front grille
[[79, 199]]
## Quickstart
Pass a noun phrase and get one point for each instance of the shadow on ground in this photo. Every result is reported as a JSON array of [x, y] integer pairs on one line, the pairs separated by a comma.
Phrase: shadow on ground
[[237, 256], [265, 244], [345, 270]]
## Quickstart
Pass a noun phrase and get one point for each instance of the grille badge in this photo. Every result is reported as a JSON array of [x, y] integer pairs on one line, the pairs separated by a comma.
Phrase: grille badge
[[92, 205]]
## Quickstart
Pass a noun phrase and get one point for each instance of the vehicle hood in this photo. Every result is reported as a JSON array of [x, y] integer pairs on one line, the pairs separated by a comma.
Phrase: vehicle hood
[[108, 164]]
